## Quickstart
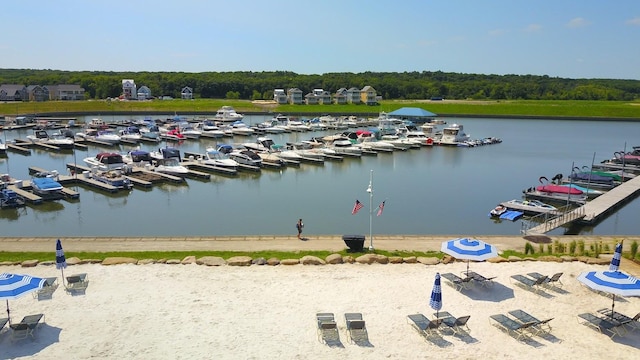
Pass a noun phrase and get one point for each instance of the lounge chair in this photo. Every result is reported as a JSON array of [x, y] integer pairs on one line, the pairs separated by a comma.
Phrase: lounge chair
[[26, 327], [77, 284], [531, 284], [631, 322], [457, 282], [484, 281], [356, 328], [46, 293], [328, 329], [554, 280], [3, 322], [602, 325], [423, 325], [458, 325], [513, 328], [539, 326]]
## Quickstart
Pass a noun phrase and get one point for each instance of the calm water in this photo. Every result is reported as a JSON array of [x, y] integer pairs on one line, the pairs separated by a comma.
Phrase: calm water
[[437, 190]]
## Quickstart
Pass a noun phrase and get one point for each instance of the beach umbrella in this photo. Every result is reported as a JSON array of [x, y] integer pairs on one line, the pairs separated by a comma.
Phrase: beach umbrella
[[12, 286], [61, 261], [436, 295], [612, 282], [469, 249], [617, 254]]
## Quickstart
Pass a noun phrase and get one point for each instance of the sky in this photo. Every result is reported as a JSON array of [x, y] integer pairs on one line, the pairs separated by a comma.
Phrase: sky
[[561, 38]]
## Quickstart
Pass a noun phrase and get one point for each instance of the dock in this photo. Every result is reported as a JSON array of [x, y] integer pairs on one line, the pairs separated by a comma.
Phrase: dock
[[26, 195], [209, 168], [593, 211], [20, 149]]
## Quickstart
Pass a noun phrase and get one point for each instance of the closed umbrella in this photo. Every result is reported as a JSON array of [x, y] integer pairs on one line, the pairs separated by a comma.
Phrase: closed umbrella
[[12, 286], [469, 249], [61, 261], [436, 295], [617, 254]]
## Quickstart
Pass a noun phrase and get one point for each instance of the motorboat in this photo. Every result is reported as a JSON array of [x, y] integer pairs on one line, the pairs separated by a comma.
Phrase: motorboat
[[309, 152], [591, 193], [241, 156], [529, 206], [214, 157], [137, 158], [3, 148], [227, 114], [316, 125], [453, 135], [105, 161], [62, 140], [368, 142], [150, 133], [498, 210], [189, 131], [271, 127], [387, 125], [209, 128], [240, 128], [400, 143], [167, 160], [560, 193], [96, 123], [319, 146], [38, 136], [286, 154], [431, 130], [104, 135], [56, 139], [172, 134], [342, 145], [295, 125], [113, 177], [131, 133], [46, 185]]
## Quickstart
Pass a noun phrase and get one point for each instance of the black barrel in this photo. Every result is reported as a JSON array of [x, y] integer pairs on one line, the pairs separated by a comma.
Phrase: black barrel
[[354, 242]]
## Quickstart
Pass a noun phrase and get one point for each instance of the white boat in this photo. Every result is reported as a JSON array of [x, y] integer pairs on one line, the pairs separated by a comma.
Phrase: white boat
[[137, 158], [342, 145], [96, 123], [367, 141], [56, 139], [400, 143], [113, 177], [411, 132], [262, 144], [240, 128], [529, 206], [3, 148], [46, 185], [213, 157], [209, 128], [241, 156], [150, 133], [453, 135], [167, 160], [131, 133], [388, 125], [309, 152], [105, 161], [319, 146], [271, 127], [286, 154], [227, 114], [316, 125], [104, 135], [295, 125], [189, 131]]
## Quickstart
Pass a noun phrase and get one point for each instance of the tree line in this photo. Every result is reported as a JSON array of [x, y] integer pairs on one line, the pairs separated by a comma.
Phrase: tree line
[[390, 85]]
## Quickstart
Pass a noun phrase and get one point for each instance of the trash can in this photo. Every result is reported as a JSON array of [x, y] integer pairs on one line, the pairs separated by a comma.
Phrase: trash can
[[354, 242]]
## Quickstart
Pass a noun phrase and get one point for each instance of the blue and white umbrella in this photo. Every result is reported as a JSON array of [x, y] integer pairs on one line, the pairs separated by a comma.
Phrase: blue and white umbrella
[[613, 282], [436, 295], [61, 261], [469, 249], [12, 286], [617, 254]]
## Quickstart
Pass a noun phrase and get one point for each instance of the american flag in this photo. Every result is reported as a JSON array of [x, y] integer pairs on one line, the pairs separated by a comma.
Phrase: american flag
[[380, 208], [356, 207]]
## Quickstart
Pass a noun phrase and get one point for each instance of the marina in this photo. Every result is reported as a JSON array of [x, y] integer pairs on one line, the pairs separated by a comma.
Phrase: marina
[[316, 192]]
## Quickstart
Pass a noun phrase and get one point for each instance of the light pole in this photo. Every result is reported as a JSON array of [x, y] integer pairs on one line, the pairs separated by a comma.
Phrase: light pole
[[370, 191]]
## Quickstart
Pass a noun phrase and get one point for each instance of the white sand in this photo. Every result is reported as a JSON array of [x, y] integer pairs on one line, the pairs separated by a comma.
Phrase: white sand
[[264, 312]]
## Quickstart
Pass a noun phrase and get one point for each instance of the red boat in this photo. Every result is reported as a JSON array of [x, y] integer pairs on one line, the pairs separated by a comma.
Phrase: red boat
[[559, 189]]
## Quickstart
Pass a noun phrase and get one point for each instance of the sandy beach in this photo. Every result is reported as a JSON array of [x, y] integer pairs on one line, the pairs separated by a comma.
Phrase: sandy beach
[[161, 311]]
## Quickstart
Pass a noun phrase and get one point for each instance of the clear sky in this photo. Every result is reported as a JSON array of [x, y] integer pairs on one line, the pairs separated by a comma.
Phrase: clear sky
[[563, 38]]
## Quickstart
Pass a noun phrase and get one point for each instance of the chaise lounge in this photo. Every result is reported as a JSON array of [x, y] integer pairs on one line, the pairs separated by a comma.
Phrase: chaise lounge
[[77, 284], [327, 329], [46, 293], [356, 328], [604, 326], [530, 284], [26, 327], [539, 326], [511, 327], [423, 325], [457, 282]]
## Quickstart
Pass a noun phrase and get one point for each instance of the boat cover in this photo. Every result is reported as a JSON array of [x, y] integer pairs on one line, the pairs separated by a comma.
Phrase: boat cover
[[512, 215], [46, 183], [559, 189]]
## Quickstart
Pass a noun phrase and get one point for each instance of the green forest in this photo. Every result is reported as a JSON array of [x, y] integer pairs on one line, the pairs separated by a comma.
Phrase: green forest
[[391, 86]]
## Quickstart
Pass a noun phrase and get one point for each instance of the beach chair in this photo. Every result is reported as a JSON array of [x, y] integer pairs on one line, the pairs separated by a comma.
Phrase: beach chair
[[518, 330], [26, 327], [484, 281], [356, 328], [423, 325], [530, 284], [602, 325], [630, 322], [3, 322], [457, 282], [77, 284], [554, 280], [457, 325], [539, 326], [327, 329], [46, 293]]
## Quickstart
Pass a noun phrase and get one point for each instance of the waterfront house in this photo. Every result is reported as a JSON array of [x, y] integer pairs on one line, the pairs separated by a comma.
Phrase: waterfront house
[[37, 93], [129, 89], [66, 92], [353, 96], [13, 92], [186, 93], [311, 99], [368, 95], [340, 97], [144, 93], [295, 96], [280, 96]]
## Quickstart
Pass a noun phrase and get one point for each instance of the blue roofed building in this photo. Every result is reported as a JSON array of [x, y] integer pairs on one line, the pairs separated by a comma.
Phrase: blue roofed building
[[414, 114]]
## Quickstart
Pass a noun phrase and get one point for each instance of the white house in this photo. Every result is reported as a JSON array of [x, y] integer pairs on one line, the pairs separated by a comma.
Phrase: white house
[[129, 90]]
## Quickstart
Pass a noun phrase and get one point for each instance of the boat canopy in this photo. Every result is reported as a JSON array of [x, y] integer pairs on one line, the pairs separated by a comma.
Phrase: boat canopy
[[170, 153]]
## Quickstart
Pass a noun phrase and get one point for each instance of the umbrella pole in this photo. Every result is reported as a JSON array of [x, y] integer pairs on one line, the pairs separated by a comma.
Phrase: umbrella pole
[[467, 273], [613, 303], [8, 316], [62, 271]]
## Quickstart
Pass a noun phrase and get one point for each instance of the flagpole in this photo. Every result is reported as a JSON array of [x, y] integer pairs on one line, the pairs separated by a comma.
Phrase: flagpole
[[370, 191]]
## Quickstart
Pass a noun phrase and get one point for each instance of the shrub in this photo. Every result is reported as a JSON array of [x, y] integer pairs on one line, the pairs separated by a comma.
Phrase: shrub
[[581, 247], [607, 249], [572, 247], [528, 249], [549, 249], [634, 249], [541, 248]]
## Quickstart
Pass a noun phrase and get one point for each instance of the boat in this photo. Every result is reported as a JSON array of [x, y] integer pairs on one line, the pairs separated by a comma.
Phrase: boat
[[400, 143], [150, 133], [214, 157], [453, 135], [172, 134], [46, 185], [498, 210], [167, 160], [591, 193], [131, 133], [62, 140], [227, 114], [3, 148], [113, 177], [367, 141], [137, 158], [309, 152], [529, 206], [271, 127], [189, 131], [342, 145], [241, 156], [105, 161], [240, 128], [262, 144], [104, 135], [56, 139], [553, 192], [96, 123], [210, 129]]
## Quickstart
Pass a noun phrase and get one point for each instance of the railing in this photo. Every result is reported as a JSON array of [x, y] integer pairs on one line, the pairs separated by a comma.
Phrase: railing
[[548, 221]]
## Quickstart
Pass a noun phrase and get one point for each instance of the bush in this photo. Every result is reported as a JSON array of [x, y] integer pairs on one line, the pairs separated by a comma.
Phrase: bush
[[541, 248], [607, 249], [528, 249], [581, 247], [634, 249], [572, 247], [549, 249]]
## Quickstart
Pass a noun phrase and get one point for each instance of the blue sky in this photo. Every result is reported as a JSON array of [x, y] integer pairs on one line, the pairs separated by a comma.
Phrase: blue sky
[[563, 38]]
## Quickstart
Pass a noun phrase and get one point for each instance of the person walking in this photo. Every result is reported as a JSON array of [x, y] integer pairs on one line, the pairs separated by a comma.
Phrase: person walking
[[299, 226]]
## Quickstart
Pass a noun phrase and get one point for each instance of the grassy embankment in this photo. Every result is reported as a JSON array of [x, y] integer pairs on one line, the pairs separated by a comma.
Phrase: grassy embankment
[[557, 109]]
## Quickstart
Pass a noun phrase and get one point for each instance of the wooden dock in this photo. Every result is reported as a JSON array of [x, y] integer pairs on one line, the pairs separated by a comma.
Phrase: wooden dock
[[593, 211], [19, 149], [209, 168]]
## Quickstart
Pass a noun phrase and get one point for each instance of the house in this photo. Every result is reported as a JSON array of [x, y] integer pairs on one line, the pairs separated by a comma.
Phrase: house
[[144, 93], [340, 97], [368, 95], [324, 97], [129, 89], [353, 96], [66, 92], [186, 93], [37, 93], [295, 96], [279, 96], [13, 92], [311, 99]]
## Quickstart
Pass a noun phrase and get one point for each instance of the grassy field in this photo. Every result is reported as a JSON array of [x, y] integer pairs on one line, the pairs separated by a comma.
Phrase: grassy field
[[534, 108]]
